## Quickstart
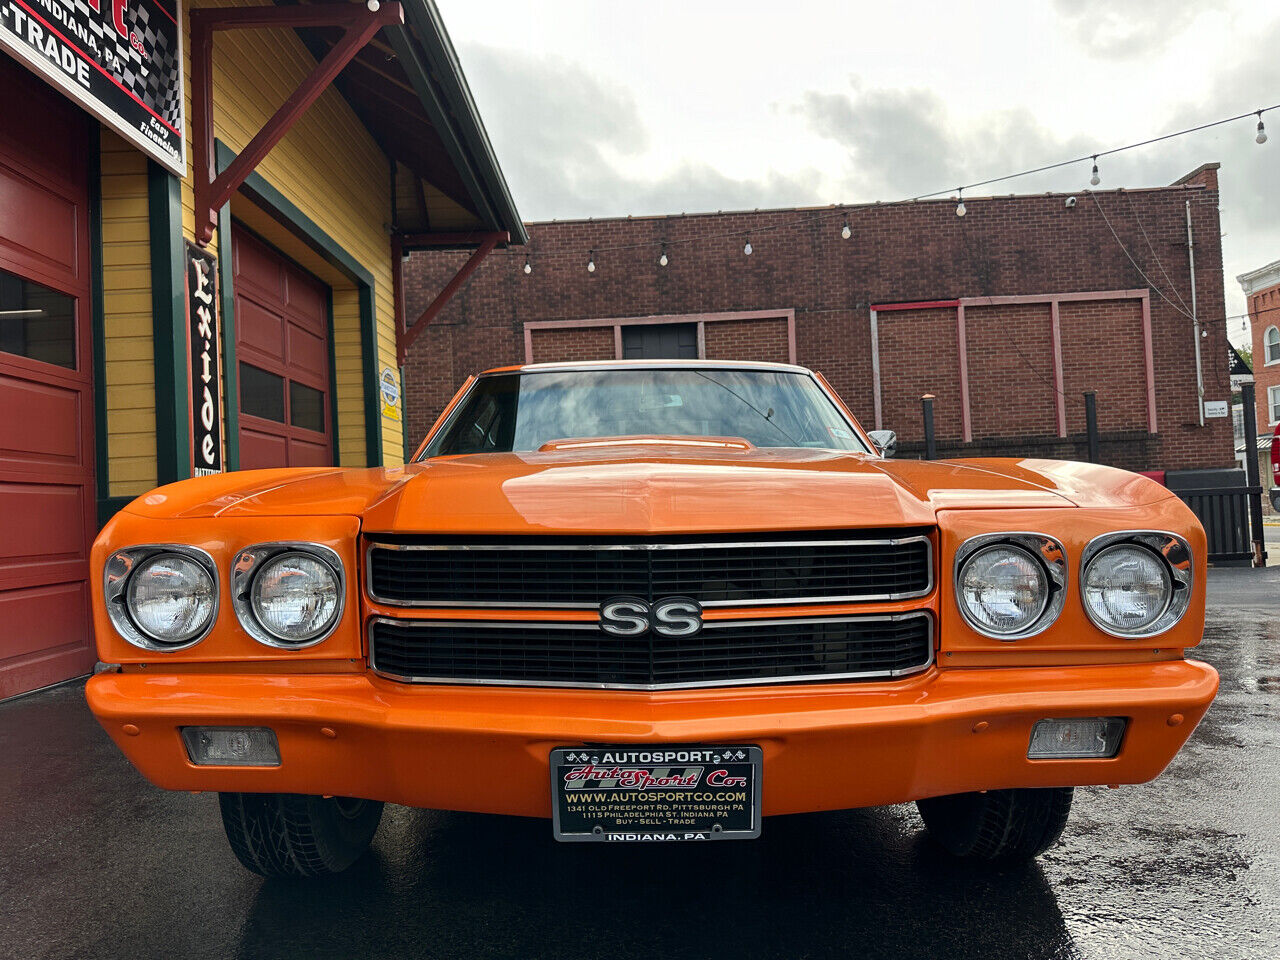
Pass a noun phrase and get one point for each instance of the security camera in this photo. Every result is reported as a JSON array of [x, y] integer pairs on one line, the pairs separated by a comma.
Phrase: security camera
[[1071, 202]]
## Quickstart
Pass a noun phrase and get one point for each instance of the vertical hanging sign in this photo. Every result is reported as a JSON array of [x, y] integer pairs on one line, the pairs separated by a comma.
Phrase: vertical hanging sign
[[202, 341]]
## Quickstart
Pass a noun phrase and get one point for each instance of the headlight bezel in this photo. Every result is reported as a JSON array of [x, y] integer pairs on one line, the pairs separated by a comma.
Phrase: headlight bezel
[[249, 562], [1170, 549], [117, 574], [1047, 551]]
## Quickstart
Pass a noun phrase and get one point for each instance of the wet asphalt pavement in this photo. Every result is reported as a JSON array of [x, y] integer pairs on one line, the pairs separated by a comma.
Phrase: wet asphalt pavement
[[96, 863]]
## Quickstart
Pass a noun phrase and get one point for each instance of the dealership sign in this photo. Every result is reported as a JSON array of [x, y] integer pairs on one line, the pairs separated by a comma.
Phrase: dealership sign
[[119, 59], [206, 384]]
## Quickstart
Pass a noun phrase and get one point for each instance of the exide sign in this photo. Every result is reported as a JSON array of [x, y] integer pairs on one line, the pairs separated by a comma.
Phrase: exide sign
[[119, 59]]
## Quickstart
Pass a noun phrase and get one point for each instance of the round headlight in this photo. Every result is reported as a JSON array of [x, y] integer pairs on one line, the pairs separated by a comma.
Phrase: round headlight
[[296, 597], [1003, 590], [1126, 589], [171, 598]]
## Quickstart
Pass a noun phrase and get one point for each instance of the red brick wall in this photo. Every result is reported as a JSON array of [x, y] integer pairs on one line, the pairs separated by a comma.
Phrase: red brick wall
[[747, 340], [589, 343], [1264, 312], [1010, 350], [907, 337], [1026, 245]]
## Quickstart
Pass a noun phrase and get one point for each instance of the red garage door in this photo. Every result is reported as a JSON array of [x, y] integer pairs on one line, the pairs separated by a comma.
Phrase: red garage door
[[46, 387], [282, 357]]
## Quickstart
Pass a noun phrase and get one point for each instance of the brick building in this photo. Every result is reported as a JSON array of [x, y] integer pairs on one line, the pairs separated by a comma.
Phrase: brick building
[[1262, 293], [1006, 314]]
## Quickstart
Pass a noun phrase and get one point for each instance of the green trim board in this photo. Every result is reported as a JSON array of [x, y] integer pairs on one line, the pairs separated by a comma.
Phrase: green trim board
[[169, 320], [98, 322], [333, 381], [230, 371], [369, 361], [260, 191]]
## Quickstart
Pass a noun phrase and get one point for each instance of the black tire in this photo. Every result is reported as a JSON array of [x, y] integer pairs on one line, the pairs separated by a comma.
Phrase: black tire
[[293, 835], [999, 825]]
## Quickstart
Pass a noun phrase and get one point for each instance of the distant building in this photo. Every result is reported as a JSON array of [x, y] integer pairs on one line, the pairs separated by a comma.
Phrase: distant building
[[1262, 293], [1007, 314]]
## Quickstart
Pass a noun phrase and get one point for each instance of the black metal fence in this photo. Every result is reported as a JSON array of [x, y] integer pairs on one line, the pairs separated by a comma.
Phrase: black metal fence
[[1224, 512], [1228, 502]]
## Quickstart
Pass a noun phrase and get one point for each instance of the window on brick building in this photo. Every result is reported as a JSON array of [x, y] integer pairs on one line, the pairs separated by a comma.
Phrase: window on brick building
[[660, 341], [1273, 403], [1271, 345]]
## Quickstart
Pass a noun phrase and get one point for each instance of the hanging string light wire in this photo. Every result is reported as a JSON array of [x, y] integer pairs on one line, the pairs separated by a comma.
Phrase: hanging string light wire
[[841, 210]]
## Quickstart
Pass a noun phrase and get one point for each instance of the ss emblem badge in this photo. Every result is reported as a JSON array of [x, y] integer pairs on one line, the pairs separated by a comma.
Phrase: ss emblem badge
[[633, 617]]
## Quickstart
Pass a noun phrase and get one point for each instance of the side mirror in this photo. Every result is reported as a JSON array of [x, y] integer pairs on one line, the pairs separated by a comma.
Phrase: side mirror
[[886, 442]]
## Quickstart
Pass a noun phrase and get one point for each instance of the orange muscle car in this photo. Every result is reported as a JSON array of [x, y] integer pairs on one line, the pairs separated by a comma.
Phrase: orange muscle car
[[650, 601]]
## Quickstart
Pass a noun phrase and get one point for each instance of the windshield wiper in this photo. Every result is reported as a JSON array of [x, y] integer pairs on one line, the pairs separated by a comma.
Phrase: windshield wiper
[[766, 417]]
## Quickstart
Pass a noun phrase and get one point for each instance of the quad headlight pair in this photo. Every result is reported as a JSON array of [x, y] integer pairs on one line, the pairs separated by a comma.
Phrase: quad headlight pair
[[1133, 584], [164, 597]]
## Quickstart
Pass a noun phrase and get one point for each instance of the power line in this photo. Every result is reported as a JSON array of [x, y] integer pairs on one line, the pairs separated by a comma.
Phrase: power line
[[1138, 220], [840, 210]]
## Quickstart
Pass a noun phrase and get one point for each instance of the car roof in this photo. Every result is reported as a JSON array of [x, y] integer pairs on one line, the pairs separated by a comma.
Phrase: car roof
[[647, 365]]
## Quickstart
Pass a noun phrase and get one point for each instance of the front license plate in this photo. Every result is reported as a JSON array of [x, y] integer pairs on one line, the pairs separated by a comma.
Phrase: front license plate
[[656, 793]]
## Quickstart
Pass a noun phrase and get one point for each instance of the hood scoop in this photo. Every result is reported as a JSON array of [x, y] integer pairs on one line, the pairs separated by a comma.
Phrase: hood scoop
[[718, 444]]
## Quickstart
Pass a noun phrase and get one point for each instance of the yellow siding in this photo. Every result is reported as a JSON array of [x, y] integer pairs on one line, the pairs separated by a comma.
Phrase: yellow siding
[[126, 309], [333, 171]]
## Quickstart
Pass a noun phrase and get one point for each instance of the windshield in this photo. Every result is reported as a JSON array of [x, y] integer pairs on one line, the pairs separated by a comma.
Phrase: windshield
[[523, 411]]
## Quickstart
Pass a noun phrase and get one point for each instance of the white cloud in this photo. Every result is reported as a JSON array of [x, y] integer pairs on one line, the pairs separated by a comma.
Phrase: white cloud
[[668, 107]]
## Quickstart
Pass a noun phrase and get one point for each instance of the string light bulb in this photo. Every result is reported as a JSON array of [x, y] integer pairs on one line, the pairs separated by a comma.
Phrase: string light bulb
[[1094, 178], [960, 208], [1262, 130], [747, 248], [845, 232], [662, 260], [591, 262], [528, 267]]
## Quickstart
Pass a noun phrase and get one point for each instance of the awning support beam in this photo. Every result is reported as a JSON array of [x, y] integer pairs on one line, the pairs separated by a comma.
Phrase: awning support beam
[[488, 241], [361, 22]]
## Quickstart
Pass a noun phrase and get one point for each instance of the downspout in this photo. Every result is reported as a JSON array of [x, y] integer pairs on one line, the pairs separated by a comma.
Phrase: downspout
[[1195, 317]]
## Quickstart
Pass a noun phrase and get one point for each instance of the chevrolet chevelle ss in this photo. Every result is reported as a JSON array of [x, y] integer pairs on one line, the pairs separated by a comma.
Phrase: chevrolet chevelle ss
[[650, 601]]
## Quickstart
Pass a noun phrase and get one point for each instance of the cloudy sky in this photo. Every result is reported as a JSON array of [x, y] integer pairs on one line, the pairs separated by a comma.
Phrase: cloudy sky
[[607, 109]]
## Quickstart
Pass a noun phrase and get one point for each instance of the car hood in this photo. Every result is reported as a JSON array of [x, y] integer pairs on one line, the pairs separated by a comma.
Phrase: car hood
[[657, 489]]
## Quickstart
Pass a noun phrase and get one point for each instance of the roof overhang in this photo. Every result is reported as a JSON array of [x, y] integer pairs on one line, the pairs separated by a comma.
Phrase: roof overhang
[[408, 89]]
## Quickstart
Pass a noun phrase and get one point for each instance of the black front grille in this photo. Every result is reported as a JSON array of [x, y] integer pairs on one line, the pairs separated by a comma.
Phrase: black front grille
[[534, 573], [584, 655]]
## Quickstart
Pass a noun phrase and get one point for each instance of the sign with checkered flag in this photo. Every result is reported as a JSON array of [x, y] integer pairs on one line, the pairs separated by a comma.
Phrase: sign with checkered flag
[[119, 59]]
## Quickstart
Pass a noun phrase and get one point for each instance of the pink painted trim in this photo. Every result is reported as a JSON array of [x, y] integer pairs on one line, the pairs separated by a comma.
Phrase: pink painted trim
[[701, 319], [966, 416], [1149, 358], [1050, 297], [1060, 401], [875, 369], [915, 305], [786, 314]]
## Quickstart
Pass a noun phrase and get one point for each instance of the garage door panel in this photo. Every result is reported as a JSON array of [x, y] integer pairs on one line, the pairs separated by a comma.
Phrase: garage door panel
[[39, 224], [46, 637], [305, 453], [256, 265], [259, 449], [307, 354], [259, 328], [47, 507], [40, 618], [42, 521], [284, 353], [41, 422], [306, 298]]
